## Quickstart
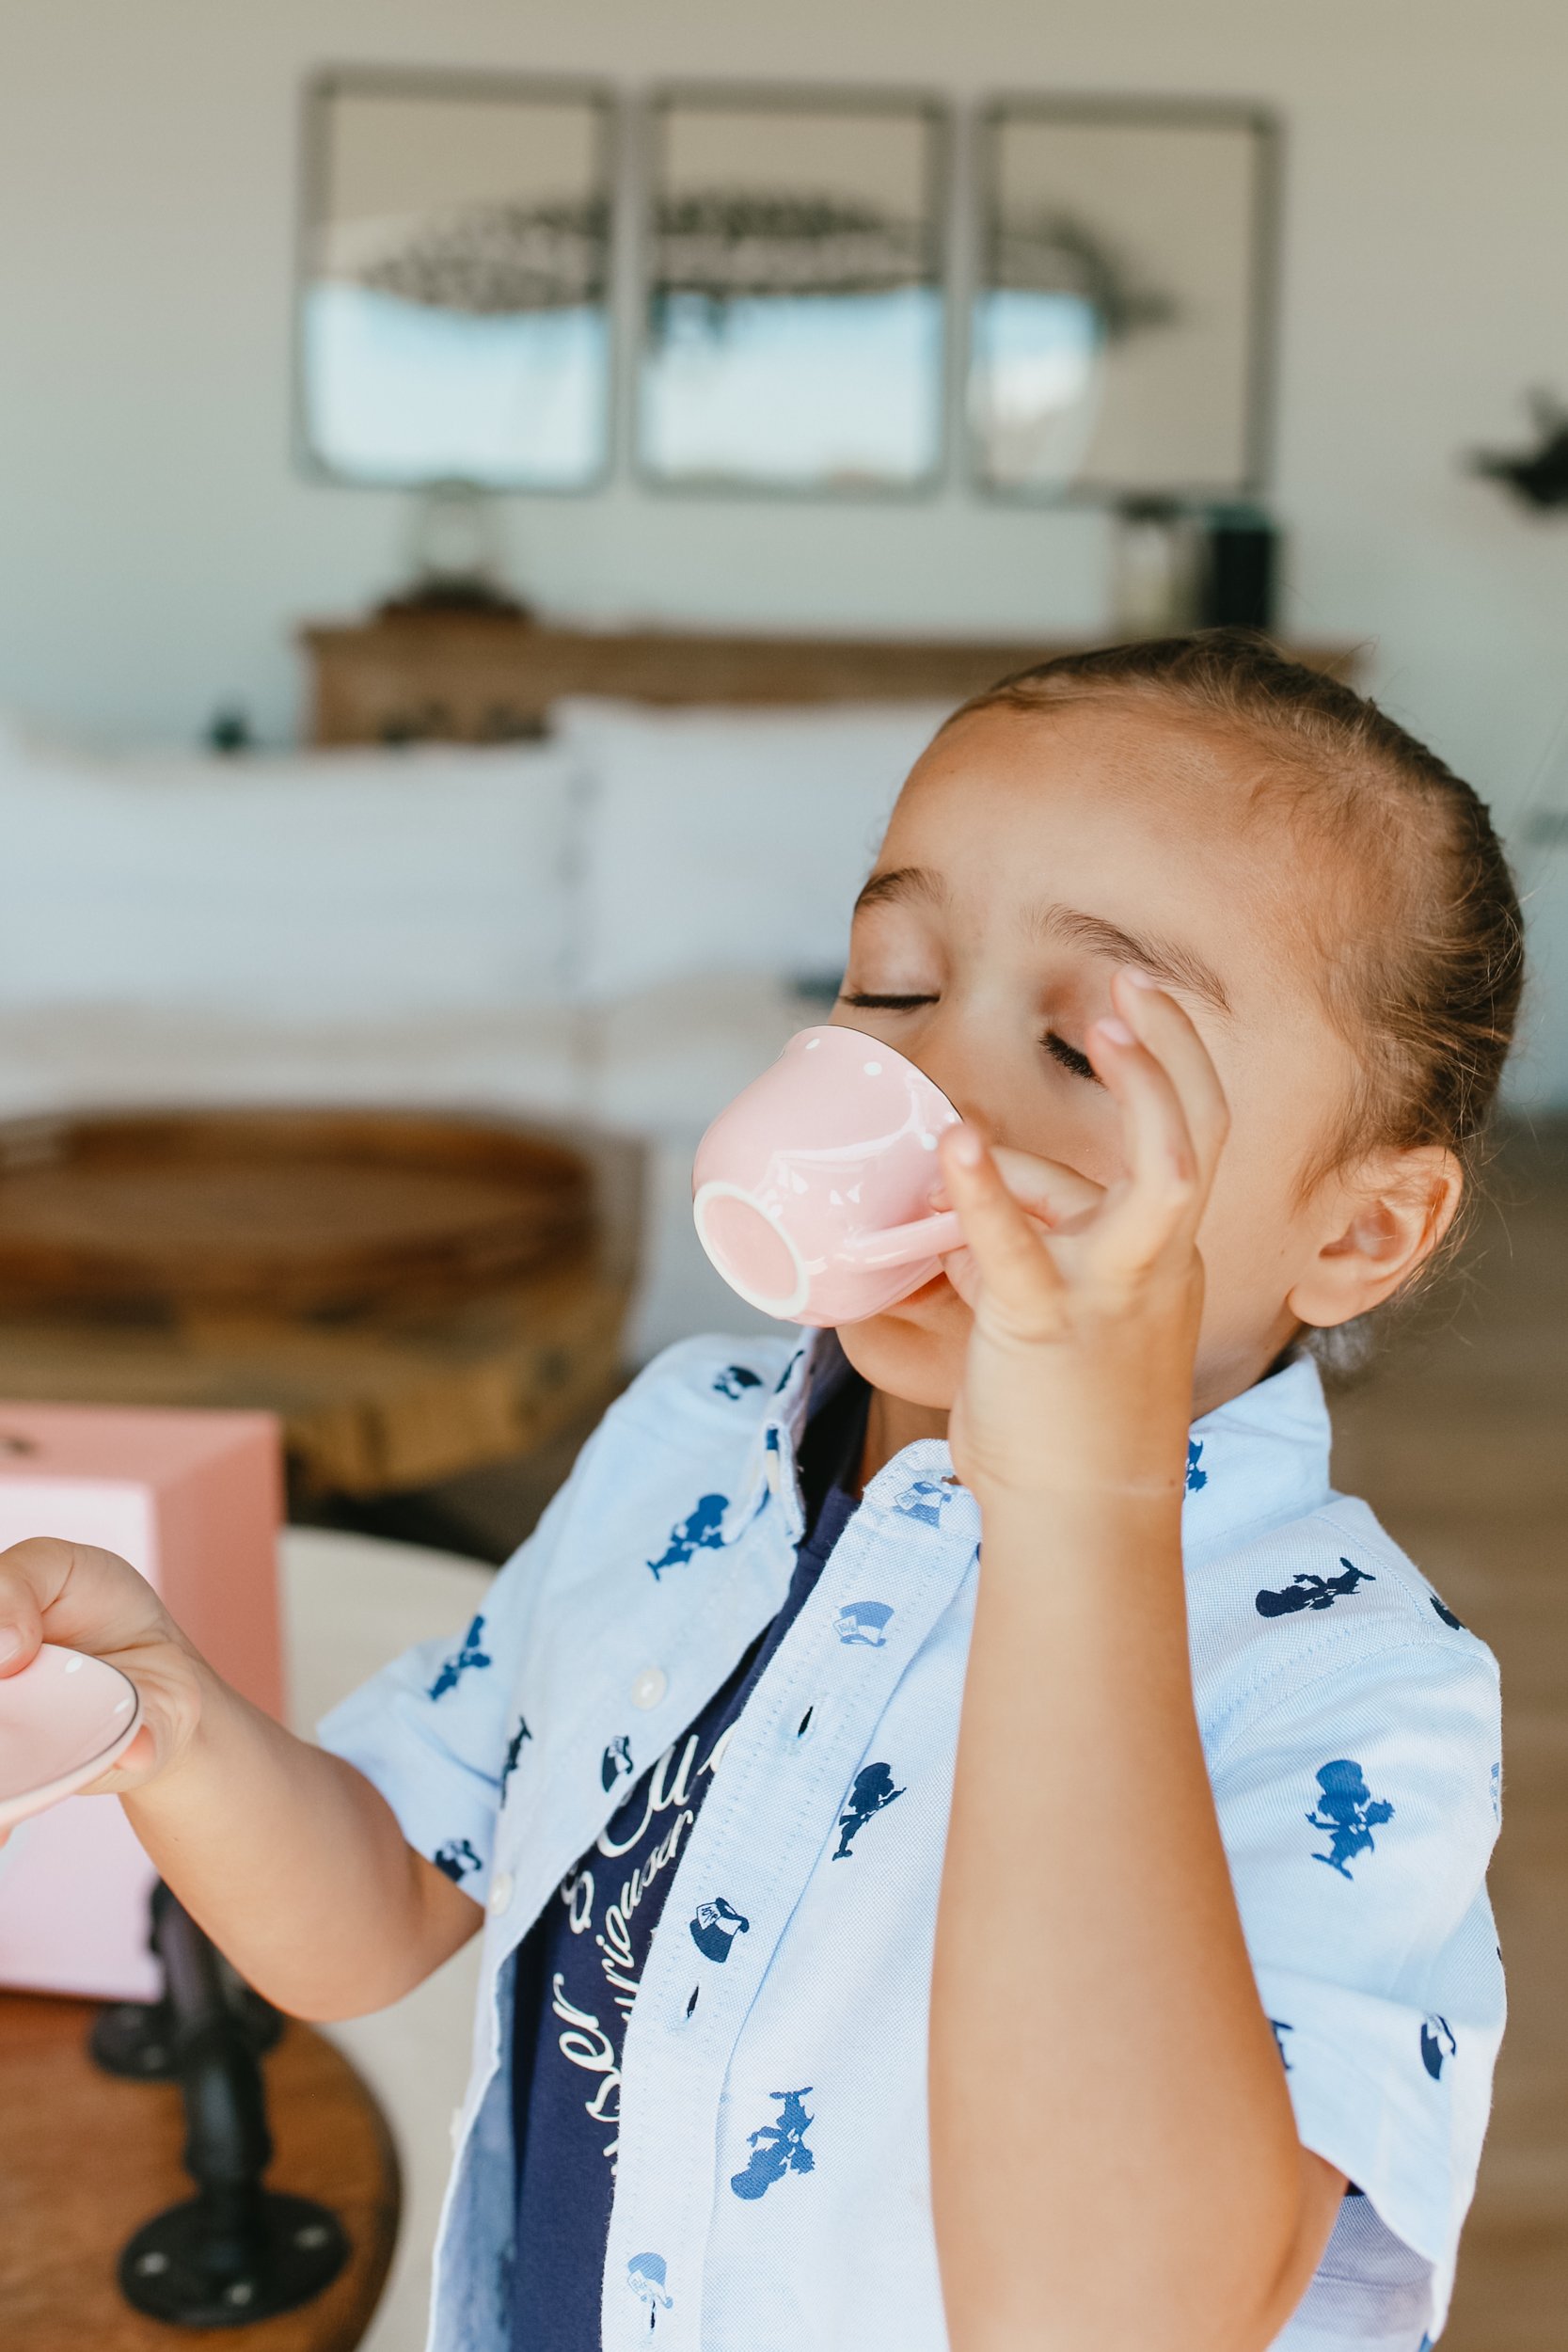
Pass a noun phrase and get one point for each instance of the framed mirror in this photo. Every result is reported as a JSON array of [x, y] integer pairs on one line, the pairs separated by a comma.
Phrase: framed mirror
[[1122, 328], [794, 330], [453, 316]]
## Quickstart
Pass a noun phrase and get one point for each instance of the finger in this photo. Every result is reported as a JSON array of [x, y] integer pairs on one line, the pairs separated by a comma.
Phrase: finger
[[139, 1763], [1166, 1029], [31, 1576], [90, 1600], [1012, 1260], [1161, 1195], [1047, 1190]]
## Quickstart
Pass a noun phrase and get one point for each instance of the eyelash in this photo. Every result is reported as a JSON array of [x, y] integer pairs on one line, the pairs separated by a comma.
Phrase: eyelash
[[1071, 1058], [1066, 1056]]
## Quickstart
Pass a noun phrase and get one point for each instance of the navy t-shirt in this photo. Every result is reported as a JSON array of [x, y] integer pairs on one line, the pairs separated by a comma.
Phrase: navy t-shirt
[[579, 1966]]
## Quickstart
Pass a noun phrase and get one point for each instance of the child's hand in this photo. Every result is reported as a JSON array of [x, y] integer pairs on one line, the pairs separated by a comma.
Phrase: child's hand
[[1048, 1191], [86, 1599], [1079, 1378]]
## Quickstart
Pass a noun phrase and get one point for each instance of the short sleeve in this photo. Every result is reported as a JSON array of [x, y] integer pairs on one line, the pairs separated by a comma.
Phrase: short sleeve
[[1359, 1813], [438, 1732]]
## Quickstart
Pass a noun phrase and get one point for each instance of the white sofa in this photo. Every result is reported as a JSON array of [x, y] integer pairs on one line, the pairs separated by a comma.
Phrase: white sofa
[[609, 926]]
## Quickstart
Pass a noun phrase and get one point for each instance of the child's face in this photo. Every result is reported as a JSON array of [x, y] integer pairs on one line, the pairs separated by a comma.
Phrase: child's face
[[1026, 859]]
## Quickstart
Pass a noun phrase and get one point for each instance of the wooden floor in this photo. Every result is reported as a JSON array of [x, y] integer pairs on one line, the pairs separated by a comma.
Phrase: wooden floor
[[1459, 1440]]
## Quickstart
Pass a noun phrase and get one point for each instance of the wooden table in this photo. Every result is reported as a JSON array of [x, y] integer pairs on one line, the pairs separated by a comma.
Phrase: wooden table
[[388, 1403], [379, 1397], [85, 2158], [408, 675]]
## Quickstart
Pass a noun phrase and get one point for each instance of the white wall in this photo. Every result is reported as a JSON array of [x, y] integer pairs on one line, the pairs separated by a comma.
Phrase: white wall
[[156, 542]]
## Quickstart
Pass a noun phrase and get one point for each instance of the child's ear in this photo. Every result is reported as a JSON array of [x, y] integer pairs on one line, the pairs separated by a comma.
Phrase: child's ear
[[1380, 1226]]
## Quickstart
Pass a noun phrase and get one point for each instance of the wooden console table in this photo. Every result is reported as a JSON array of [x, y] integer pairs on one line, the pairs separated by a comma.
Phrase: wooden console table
[[477, 677]]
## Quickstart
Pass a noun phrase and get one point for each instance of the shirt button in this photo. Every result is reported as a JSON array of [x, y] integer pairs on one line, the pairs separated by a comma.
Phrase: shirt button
[[501, 1892], [650, 1687]]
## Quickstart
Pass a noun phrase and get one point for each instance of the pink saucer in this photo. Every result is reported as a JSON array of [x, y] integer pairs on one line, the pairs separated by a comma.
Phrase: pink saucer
[[63, 1720]]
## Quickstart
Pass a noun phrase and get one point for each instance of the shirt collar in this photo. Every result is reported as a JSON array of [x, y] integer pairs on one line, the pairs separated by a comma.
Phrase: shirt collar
[[813, 1370], [1259, 1459]]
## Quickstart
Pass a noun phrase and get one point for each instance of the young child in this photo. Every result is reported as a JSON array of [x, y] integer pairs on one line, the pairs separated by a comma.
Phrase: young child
[[1065, 1817]]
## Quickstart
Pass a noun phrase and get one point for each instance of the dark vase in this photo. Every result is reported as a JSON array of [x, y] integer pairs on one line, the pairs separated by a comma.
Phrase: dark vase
[[1240, 570]]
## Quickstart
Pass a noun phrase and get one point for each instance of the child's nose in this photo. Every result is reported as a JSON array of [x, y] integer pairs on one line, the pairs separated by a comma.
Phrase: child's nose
[[959, 1048], [965, 1088]]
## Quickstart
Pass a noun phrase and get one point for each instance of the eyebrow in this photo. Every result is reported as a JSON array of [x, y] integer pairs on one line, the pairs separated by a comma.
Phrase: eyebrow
[[901, 883], [1167, 959]]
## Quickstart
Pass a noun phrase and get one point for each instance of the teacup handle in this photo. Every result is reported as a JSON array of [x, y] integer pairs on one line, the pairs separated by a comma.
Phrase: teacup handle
[[901, 1245]]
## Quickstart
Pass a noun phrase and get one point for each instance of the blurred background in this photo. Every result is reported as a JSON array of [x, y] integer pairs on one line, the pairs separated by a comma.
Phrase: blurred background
[[492, 501]]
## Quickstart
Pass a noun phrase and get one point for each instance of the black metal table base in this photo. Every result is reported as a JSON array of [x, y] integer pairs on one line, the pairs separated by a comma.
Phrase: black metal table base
[[236, 2252], [193, 2268]]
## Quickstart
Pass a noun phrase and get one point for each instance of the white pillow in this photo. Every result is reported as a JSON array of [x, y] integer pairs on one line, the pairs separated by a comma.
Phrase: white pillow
[[328, 887], [735, 840]]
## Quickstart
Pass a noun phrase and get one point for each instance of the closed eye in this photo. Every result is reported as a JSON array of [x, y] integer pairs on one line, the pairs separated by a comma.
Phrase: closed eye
[[869, 1002], [1069, 1058]]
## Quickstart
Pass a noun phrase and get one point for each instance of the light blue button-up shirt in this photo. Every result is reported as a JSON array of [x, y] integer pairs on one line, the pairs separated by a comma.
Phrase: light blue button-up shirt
[[772, 2187]]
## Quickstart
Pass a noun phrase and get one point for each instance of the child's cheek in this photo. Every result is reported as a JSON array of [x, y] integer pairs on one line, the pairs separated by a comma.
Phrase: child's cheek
[[916, 1350]]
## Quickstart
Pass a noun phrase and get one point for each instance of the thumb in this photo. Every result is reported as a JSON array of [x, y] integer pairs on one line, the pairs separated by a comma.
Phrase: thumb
[[20, 1626]]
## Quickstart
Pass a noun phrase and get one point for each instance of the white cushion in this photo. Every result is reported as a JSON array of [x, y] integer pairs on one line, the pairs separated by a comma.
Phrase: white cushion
[[730, 840], [329, 886]]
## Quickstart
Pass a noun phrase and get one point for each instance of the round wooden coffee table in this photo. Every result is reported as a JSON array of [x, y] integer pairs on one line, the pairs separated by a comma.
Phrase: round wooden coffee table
[[85, 2158], [413, 1294]]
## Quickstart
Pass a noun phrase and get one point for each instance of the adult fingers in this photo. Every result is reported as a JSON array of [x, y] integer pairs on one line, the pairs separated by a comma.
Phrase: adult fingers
[[1012, 1260]]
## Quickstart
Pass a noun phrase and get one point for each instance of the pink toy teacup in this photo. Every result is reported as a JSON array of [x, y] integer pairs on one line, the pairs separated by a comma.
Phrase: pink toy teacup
[[813, 1193]]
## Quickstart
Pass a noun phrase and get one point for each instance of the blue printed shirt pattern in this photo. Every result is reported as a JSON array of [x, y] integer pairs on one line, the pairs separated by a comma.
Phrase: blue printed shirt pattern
[[773, 2185]]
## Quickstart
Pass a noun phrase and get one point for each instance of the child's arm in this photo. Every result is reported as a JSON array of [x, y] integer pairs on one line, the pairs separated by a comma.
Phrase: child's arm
[[288, 1857], [1114, 2157]]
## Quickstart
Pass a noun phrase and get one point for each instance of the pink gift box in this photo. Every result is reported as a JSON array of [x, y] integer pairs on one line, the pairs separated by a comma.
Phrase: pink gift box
[[194, 1501]]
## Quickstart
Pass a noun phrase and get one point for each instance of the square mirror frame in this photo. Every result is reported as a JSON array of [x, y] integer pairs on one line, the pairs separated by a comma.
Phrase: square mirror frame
[[1254, 453], [933, 115], [480, 88]]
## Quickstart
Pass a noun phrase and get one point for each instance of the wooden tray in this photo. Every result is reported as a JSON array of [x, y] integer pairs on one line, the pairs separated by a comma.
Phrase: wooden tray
[[290, 1213]]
